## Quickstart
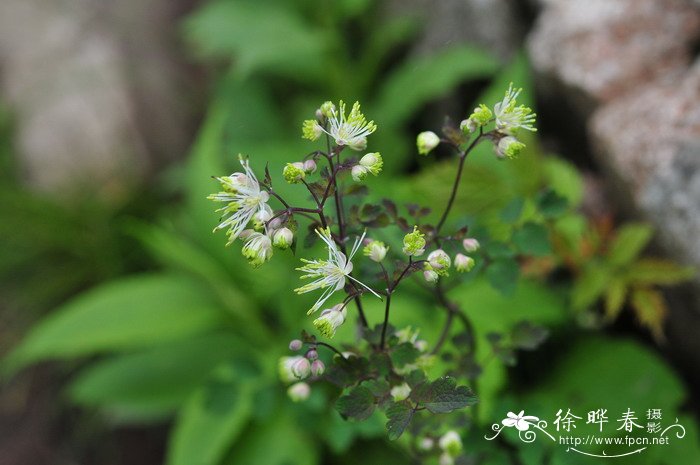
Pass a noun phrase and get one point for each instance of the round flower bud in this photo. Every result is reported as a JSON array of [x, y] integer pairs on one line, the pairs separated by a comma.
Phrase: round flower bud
[[430, 276], [274, 224], [359, 144], [373, 162], [470, 244], [312, 354], [295, 344], [481, 116], [301, 368], [467, 126], [299, 392], [426, 444], [375, 250], [330, 320], [294, 172], [451, 443], [463, 264], [400, 392], [426, 142], [317, 368], [283, 238], [285, 368], [359, 173], [414, 243], [508, 147], [439, 260], [310, 166]]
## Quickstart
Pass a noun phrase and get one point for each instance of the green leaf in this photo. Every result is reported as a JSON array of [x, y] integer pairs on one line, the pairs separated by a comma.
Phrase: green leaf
[[132, 313], [378, 387], [551, 204], [444, 396], [532, 239], [629, 243], [154, 381], [614, 298], [399, 416], [528, 336], [358, 404], [564, 179], [404, 354], [650, 271], [422, 80], [650, 307], [211, 419], [511, 213], [251, 34], [503, 275], [589, 286]]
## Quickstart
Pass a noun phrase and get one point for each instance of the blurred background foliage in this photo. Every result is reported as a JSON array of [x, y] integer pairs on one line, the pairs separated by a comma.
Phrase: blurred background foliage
[[156, 323]]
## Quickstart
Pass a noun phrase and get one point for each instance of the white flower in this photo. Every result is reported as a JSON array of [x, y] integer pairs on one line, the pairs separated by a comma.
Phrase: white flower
[[510, 118], [376, 251], [331, 274], [244, 199], [351, 131], [299, 392], [451, 443], [520, 421], [426, 142], [400, 392], [257, 248], [463, 264], [330, 320]]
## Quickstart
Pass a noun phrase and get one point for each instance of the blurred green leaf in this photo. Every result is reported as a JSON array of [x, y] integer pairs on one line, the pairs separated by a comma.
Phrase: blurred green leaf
[[629, 243], [444, 396], [421, 80], [251, 35], [532, 239], [589, 286], [650, 307], [647, 271], [155, 381], [614, 298], [131, 313], [551, 204], [528, 336], [404, 354], [503, 275], [563, 178], [211, 419]]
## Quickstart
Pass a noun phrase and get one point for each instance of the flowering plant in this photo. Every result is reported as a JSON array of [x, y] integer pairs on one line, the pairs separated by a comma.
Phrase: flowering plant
[[386, 368]]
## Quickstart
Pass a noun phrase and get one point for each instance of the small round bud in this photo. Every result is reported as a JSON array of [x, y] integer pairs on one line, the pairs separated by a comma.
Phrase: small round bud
[[470, 244], [426, 444], [430, 276], [310, 166], [451, 443], [301, 368], [468, 126], [317, 368], [426, 142], [400, 392], [375, 250], [439, 260], [294, 172], [299, 392], [274, 224], [295, 344], [358, 144], [463, 264], [414, 243], [312, 354], [283, 238], [319, 115], [508, 147], [359, 173]]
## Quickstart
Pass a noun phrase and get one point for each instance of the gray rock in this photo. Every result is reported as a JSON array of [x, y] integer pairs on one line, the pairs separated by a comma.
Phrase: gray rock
[[601, 49], [649, 141]]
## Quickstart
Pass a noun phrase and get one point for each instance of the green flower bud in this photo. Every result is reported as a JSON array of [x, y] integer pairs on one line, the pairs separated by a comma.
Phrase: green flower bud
[[359, 173], [330, 320], [481, 116], [439, 261], [283, 238], [373, 162], [426, 142], [509, 147], [414, 243], [375, 250], [294, 172], [464, 264], [328, 109]]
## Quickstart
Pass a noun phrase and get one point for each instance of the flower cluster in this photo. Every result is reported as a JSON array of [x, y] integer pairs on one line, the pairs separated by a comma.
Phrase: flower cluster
[[385, 368]]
